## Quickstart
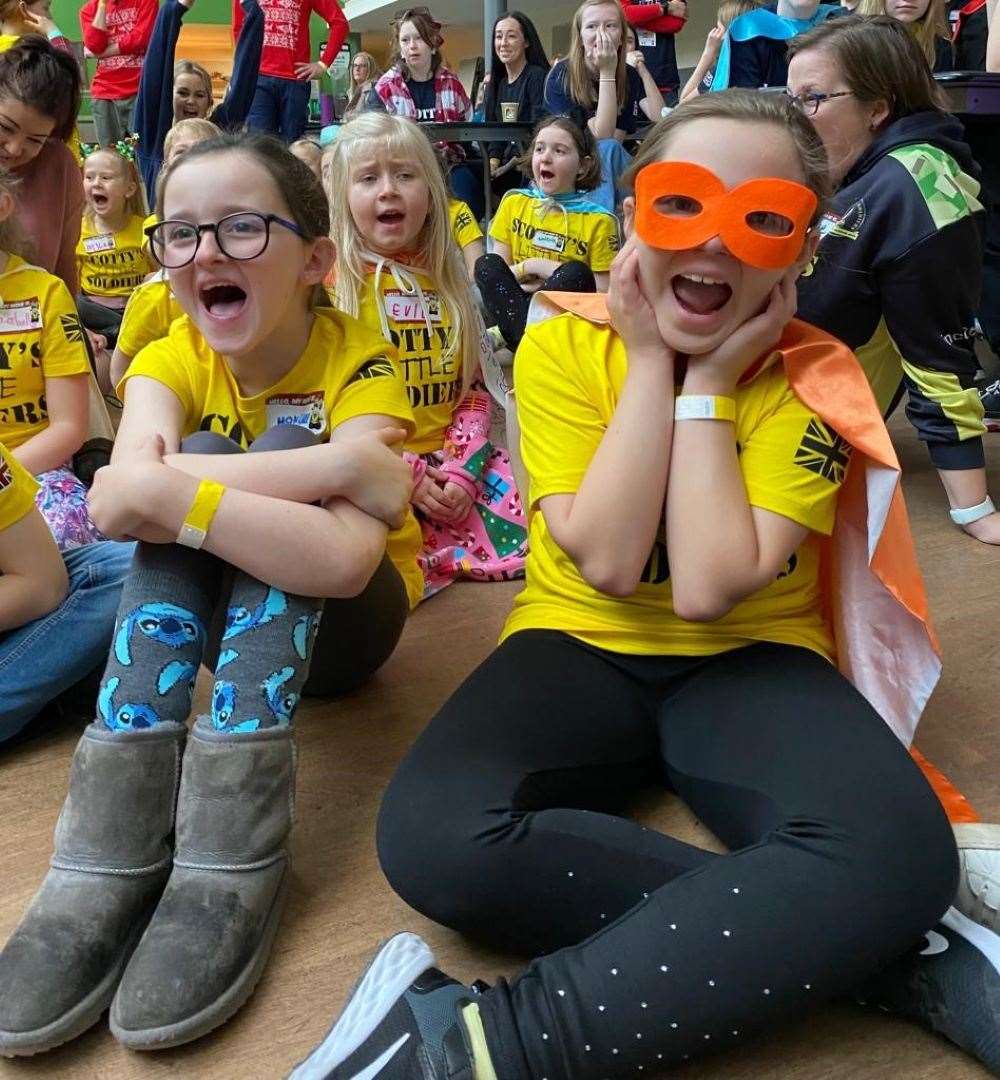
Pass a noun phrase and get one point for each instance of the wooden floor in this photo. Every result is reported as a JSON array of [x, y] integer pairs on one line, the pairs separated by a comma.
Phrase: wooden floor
[[341, 905]]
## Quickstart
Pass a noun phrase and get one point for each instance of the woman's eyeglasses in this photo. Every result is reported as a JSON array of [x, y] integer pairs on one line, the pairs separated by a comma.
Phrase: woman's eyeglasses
[[809, 103], [406, 13], [240, 236]]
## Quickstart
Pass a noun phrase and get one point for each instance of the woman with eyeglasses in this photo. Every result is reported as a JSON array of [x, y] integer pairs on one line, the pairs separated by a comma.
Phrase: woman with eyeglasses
[[898, 272], [365, 74], [236, 553], [420, 86]]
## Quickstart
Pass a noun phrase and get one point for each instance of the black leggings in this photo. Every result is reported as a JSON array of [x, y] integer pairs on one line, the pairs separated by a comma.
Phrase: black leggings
[[507, 303], [101, 319], [502, 823], [356, 635]]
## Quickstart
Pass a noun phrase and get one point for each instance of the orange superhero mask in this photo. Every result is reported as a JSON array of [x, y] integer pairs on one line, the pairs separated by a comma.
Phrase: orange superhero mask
[[679, 205]]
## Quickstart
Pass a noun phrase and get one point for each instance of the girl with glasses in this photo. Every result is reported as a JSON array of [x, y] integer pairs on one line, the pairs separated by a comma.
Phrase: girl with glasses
[[236, 553]]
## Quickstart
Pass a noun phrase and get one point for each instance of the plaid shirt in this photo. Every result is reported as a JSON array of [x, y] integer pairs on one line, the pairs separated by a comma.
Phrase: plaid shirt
[[451, 102]]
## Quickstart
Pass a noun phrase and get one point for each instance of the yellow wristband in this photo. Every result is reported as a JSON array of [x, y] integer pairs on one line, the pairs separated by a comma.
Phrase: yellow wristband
[[704, 407], [199, 517]]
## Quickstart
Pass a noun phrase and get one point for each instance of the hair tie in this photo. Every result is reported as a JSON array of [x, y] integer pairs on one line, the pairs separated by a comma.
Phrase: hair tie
[[124, 147]]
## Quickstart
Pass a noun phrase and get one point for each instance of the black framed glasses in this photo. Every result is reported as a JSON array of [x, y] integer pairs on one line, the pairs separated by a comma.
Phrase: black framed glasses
[[809, 103], [407, 13], [244, 236]]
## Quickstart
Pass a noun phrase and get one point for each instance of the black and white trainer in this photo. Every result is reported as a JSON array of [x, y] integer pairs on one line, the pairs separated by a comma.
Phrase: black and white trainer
[[401, 1022]]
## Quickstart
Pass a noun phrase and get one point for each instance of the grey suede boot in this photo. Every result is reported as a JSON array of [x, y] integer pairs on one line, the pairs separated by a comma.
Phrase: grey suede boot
[[59, 970], [211, 935]]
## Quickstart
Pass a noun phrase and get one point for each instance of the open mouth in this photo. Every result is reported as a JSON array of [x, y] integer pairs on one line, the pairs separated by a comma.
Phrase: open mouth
[[546, 175], [223, 301], [391, 217], [699, 294]]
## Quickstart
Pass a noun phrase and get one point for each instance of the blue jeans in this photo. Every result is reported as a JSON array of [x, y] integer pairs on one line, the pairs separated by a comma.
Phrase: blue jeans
[[41, 660], [615, 159], [280, 107]]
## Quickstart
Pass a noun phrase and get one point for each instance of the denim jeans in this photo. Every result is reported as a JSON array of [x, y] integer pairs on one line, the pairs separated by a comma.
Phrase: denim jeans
[[615, 159], [42, 659], [280, 107], [112, 118]]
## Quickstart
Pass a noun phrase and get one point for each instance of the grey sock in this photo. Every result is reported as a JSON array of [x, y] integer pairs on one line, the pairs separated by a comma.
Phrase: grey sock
[[167, 600], [264, 656]]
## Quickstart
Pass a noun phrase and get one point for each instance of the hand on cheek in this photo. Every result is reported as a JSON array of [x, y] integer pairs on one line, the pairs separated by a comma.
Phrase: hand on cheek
[[631, 313]]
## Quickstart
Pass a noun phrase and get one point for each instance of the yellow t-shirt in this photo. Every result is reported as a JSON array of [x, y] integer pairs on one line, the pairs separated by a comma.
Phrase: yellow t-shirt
[[433, 383], [148, 314], [464, 226], [344, 372], [558, 234], [569, 374], [17, 490], [112, 264], [40, 337]]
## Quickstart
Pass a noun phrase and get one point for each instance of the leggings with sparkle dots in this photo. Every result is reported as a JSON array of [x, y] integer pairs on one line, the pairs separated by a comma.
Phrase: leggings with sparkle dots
[[505, 821]]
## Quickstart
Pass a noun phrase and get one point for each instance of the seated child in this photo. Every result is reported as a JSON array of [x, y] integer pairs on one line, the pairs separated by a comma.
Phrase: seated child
[[43, 595], [398, 269], [111, 252], [44, 374], [236, 551], [550, 235]]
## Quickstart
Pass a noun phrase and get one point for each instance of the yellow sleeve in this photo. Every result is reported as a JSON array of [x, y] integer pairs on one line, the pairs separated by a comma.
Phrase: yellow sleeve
[[147, 317], [561, 426], [17, 490], [603, 242], [376, 387], [500, 225], [794, 465], [64, 351], [161, 361], [464, 226]]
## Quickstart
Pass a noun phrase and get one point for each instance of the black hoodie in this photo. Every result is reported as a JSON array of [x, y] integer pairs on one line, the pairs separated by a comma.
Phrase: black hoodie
[[897, 278]]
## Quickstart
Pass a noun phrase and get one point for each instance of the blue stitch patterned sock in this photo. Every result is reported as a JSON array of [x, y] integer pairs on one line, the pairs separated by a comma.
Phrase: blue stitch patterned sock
[[167, 602], [264, 655]]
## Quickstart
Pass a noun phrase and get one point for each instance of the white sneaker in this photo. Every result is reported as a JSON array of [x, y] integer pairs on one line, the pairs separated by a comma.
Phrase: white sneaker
[[979, 879]]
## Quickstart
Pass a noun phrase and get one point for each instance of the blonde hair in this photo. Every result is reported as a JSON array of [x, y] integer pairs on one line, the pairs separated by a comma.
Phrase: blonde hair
[[733, 9], [580, 82], [189, 67], [926, 30], [194, 128], [12, 238], [135, 204], [437, 252]]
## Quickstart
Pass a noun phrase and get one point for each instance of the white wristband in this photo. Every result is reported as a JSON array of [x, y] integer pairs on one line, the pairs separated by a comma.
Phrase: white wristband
[[969, 514], [704, 407]]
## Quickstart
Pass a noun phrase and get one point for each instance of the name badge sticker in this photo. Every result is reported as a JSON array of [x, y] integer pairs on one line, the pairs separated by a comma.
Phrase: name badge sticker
[[402, 308], [93, 244], [549, 241], [299, 410], [646, 37], [17, 316]]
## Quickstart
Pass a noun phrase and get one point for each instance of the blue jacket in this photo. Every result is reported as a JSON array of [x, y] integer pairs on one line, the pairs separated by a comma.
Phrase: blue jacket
[[154, 106]]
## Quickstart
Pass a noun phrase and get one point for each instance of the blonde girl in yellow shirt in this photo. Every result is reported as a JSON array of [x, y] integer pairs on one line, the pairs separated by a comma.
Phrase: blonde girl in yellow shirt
[[111, 253], [236, 551], [670, 632], [43, 380], [399, 270]]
